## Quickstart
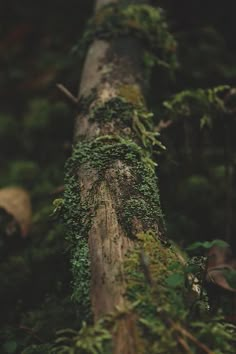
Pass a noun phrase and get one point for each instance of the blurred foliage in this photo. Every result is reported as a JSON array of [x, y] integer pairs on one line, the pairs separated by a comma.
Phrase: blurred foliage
[[201, 152], [36, 128]]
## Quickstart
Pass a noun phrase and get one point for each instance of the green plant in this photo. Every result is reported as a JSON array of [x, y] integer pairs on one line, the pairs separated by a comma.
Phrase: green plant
[[143, 21], [206, 104], [89, 339]]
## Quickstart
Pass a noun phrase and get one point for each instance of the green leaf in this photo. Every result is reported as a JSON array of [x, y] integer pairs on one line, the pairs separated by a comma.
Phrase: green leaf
[[175, 280], [175, 266], [207, 245]]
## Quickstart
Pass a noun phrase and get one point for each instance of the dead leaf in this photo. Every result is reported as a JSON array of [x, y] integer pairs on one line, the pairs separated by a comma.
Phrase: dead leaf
[[16, 202]]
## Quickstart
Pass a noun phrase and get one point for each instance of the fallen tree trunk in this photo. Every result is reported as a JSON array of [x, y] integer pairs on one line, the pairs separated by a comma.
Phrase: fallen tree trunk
[[111, 188]]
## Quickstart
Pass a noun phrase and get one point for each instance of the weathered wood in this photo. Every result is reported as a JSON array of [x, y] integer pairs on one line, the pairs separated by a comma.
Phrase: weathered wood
[[109, 65]]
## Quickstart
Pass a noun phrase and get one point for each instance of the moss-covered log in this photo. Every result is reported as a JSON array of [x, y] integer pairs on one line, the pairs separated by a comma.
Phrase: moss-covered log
[[111, 189]]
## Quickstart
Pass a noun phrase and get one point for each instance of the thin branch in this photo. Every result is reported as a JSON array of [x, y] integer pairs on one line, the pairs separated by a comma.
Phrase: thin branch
[[193, 339], [184, 345], [187, 334], [68, 94]]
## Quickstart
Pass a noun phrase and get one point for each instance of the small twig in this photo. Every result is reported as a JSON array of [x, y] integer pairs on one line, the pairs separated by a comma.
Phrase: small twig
[[193, 339], [184, 345], [178, 329], [68, 94]]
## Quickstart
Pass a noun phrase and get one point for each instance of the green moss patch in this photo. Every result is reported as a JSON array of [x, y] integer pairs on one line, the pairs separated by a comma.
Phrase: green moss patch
[[141, 21], [140, 200]]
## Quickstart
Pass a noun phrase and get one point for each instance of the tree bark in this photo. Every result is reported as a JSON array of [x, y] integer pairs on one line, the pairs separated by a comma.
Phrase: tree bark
[[109, 66]]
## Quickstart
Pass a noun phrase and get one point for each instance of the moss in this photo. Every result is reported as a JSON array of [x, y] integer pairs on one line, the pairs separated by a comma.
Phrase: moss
[[158, 293], [77, 223], [142, 21], [158, 286], [117, 109], [124, 114], [159, 259], [132, 94], [140, 200]]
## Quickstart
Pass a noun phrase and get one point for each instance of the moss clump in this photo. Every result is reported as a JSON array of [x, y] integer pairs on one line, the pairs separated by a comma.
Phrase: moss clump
[[132, 94], [142, 21], [117, 110], [139, 200], [78, 223], [124, 114]]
